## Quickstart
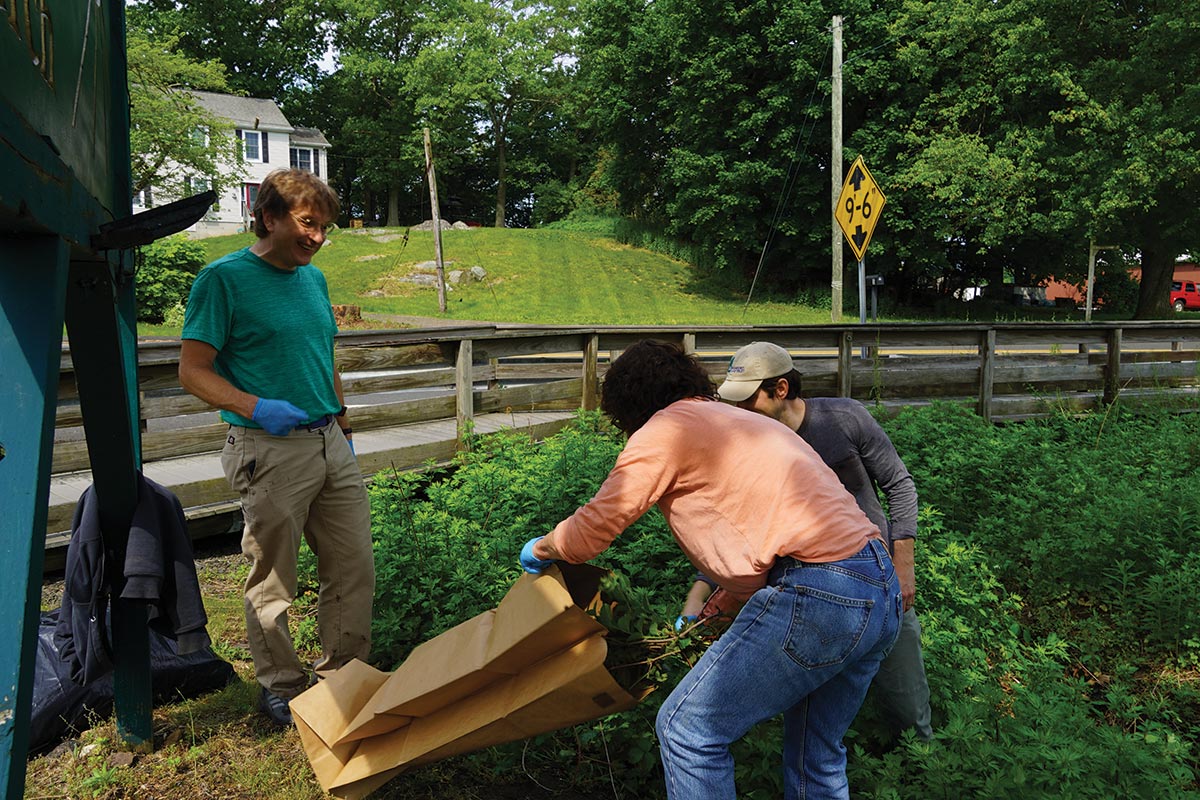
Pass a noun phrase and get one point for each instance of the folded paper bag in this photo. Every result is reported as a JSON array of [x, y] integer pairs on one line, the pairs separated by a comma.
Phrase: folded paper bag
[[533, 664]]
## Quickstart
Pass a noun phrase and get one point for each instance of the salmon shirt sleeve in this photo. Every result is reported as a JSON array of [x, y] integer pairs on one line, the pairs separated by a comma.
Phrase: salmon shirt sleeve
[[737, 489]]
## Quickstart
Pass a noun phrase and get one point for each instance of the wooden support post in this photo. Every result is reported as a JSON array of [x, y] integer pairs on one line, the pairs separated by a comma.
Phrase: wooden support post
[[104, 355], [1112, 372], [591, 382], [33, 278], [987, 367], [464, 392], [844, 376], [689, 342], [437, 224]]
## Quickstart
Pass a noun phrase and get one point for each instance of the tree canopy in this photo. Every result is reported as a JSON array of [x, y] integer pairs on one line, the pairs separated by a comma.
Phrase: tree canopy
[[1008, 135], [172, 138]]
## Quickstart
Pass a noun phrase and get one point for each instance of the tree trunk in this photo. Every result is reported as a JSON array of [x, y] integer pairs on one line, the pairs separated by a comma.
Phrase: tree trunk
[[393, 220], [1158, 270], [500, 171]]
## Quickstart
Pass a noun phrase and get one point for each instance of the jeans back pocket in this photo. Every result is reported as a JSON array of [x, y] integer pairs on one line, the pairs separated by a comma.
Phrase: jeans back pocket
[[825, 627]]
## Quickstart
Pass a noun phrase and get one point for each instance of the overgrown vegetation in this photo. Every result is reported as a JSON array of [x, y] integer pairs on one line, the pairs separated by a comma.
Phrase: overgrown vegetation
[[1055, 574]]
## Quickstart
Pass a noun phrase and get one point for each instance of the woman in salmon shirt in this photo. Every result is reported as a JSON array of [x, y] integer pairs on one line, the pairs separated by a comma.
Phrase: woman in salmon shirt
[[754, 508]]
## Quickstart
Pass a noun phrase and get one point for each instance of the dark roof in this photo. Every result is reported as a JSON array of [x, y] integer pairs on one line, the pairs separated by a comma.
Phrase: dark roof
[[249, 113], [309, 136]]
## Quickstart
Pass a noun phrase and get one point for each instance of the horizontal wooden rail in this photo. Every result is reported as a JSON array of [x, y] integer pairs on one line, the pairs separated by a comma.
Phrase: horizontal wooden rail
[[402, 381]]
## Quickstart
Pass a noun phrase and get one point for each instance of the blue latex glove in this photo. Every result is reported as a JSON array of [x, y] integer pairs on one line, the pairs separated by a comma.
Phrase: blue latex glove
[[277, 417], [682, 621], [351, 443], [531, 563]]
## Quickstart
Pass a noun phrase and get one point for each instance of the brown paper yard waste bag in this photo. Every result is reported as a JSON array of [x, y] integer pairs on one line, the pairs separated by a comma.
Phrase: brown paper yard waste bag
[[533, 664]]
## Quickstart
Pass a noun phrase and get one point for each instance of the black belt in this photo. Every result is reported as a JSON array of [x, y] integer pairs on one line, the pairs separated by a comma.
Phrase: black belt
[[316, 424]]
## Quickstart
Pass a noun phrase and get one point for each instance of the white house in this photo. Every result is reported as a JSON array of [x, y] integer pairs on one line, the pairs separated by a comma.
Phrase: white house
[[269, 142]]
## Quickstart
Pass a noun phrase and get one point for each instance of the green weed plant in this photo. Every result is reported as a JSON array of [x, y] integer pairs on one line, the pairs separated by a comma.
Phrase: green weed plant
[[1055, 575]]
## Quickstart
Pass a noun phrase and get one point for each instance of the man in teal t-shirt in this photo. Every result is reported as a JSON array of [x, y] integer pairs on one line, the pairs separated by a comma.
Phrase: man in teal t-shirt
[[257, 343]]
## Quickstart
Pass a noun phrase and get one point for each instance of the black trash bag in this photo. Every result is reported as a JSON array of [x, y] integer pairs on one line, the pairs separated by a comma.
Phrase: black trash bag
[[61, 706]]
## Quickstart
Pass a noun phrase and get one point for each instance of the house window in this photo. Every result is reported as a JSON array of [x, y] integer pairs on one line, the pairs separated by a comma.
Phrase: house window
[[302, 158], [252, 148], [196, 186], [250, 192]]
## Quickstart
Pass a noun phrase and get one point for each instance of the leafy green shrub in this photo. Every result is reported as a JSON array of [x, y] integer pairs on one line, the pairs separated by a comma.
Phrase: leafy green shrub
[[165, 274], [1051, 567]]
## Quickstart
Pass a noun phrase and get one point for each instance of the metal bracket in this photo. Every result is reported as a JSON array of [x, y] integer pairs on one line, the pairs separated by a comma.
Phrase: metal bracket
[[149, 226]]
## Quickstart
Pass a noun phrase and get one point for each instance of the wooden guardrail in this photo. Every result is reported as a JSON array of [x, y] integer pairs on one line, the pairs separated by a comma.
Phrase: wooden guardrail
[[1004, 371]]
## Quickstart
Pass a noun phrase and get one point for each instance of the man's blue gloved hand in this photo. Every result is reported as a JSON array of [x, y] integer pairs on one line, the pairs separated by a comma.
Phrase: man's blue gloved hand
[[531, 563], [277, 417], [683, 620], [351, 443]]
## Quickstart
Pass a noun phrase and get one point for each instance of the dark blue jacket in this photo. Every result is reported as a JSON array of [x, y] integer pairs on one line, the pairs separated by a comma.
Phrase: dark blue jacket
[[158, 568]]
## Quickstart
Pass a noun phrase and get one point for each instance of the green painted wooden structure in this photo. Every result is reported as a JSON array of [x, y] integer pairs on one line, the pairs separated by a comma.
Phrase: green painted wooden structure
[[64, 176]]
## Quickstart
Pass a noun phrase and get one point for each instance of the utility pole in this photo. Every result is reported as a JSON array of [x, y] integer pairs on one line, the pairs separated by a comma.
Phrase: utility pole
[[1093, 248], [835, 174], [437, 224]]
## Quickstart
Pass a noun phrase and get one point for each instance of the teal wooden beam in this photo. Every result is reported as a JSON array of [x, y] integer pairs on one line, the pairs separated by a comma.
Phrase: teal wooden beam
[[104, 354], [33, 278]]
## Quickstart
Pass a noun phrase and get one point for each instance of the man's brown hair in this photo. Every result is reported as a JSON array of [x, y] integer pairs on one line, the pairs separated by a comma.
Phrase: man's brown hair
[[284, 189]]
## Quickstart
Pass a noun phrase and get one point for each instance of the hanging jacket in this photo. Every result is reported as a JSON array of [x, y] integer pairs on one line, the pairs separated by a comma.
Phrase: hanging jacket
[[157, 568]]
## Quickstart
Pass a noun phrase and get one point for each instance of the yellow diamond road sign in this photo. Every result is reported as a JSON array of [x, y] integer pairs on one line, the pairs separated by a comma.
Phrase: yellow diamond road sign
[[858, 207]]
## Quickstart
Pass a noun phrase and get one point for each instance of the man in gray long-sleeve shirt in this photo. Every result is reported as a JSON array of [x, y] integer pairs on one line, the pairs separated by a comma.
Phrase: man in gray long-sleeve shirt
[[762, 378]]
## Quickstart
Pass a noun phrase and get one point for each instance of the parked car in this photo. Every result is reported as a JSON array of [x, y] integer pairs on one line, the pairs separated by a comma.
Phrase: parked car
[[1185, 295]]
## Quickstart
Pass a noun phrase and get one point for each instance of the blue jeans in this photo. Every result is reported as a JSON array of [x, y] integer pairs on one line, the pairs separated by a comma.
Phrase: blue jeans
[[806, 645]]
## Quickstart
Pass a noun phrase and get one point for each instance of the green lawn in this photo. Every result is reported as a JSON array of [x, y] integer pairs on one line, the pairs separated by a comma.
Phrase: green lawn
[[536, 276], [570, 277]]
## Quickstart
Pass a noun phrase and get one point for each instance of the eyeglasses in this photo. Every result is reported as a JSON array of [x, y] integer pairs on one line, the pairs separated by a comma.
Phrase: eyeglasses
[[310, 225]]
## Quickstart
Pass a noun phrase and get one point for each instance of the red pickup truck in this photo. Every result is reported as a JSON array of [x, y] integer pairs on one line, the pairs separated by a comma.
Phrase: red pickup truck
[[1184, 295]]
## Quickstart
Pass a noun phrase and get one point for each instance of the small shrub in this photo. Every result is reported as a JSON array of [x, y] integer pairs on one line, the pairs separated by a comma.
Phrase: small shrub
[[158, 290], [165, 274]]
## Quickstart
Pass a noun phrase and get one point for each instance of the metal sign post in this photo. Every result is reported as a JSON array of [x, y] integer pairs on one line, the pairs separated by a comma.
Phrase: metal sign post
[[857, 211]]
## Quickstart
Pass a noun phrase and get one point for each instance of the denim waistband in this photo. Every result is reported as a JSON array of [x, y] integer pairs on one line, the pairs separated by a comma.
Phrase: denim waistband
[[316, 425], [874, 550]]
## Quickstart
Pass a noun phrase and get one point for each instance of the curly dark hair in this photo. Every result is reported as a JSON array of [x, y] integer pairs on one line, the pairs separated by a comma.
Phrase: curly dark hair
[[647, 378]]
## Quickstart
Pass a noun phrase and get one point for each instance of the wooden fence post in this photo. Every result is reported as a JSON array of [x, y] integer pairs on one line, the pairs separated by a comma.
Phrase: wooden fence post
[[591, 381], [464, 392], [1112, 372], [845, 351], [987, 366]]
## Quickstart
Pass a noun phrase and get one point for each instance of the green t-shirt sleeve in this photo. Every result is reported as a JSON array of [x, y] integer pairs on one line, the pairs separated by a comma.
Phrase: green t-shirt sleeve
[[209, 310]]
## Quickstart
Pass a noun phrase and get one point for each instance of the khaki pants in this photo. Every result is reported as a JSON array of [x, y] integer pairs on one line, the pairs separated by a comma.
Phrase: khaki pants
[[304, 484]]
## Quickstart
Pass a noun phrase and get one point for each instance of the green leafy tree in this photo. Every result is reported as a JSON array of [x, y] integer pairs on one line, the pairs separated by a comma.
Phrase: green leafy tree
[[268, 47], [364, 111], [1057, 125], [172, 138], [486, 71]]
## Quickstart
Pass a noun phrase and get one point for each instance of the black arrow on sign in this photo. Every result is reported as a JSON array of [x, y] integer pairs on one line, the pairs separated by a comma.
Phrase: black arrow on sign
[[857, 178], [859, 237]]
